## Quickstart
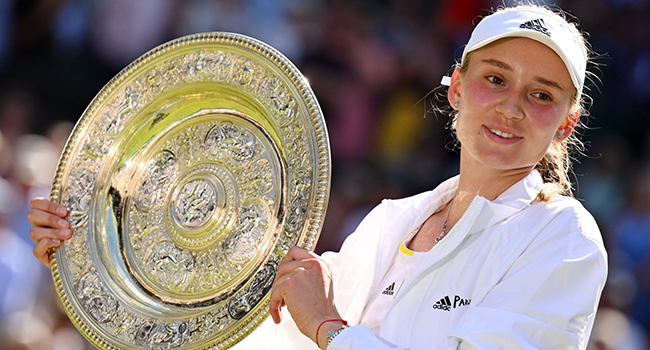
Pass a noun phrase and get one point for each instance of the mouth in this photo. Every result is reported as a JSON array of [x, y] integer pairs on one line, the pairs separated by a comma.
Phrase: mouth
[[505, 135]]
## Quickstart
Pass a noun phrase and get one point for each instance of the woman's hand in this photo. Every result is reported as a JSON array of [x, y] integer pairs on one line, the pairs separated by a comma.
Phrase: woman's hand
[[49, 227], [304, 284]]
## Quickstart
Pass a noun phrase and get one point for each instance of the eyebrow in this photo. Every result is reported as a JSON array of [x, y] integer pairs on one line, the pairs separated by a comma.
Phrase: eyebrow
[[507, 67]]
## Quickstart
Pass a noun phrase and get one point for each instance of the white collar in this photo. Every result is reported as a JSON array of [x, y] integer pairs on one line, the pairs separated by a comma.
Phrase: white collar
[[511, 201], [522, 193]]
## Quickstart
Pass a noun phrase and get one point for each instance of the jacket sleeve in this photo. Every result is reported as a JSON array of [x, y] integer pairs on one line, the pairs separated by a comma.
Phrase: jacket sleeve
[[548, 297]]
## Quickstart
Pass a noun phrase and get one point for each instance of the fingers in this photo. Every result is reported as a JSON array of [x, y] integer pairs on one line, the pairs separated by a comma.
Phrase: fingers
[[39, 233], [277, 299], [290, 262], [275, 305], [40, 203], [295, 259], [46, 238], [47, 215], [291, 270], [290, 266], [49, 227], [42, 247], [297, 253]]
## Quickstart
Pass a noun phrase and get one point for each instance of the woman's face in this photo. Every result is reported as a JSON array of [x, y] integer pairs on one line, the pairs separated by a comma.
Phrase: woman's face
[[514, 97]]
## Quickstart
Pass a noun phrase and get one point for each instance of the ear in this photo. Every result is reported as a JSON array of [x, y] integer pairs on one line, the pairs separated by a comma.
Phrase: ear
[[453, 93], [568, 125]]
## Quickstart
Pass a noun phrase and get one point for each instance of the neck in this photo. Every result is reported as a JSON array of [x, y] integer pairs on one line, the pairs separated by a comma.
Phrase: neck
[[488, 183]]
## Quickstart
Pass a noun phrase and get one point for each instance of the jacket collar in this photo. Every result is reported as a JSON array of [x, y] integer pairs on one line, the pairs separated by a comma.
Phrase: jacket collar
[[522, 193], [510, 202]]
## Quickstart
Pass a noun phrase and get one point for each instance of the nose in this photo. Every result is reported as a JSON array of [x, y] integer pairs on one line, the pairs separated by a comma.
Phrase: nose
[[511, 105]]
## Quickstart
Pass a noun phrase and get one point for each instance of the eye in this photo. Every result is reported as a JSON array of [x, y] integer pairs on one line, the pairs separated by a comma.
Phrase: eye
[[543, 96], [495, 80]]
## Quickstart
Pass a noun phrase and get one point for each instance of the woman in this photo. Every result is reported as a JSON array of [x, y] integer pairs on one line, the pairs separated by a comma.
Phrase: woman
[[498, 257]]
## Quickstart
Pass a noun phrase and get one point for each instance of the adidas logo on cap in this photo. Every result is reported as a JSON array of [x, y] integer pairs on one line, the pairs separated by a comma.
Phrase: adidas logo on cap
[[537, 25], [390, 290]]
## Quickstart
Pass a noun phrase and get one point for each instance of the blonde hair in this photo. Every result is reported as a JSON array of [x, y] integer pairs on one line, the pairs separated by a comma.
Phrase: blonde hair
[[556, 165]]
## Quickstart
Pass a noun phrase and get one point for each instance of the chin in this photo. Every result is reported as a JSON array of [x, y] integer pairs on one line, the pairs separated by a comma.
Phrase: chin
[[506, 163]]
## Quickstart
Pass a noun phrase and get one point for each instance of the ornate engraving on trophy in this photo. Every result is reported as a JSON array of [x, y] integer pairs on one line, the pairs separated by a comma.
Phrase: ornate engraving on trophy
[[109, 125], [160, 172], [131, 100], [112, 117], [246, 73], [271, 90], [123, 325], [78, 195], [195, 67], [243, 72], [246, 299], [257, 180], [215, 271], [243, 242], [159, 335], [195, 203], [155, 80], [212, 321], [171, 267], [300, 186], [224, 65], [198, 220], [294, 143], [77, 251], [191, 143], [99, 304], [96, 146], [231, 144], [139, 230]]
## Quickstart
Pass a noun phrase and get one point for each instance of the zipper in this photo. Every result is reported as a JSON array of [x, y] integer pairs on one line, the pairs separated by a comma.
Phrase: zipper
[[465, 213]]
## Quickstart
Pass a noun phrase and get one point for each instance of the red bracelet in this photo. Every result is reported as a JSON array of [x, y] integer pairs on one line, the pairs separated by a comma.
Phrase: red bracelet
[[345, 323]]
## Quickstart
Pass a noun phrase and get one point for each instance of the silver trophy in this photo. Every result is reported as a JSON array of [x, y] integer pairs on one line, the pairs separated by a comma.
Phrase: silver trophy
[[188, 178]]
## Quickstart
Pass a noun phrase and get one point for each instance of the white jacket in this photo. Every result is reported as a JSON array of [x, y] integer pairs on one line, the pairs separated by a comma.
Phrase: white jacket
[[519, 274]]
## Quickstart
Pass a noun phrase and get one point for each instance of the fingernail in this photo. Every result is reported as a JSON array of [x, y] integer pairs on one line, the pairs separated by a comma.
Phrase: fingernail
[[63, 223], [61, 211], [65, 233]]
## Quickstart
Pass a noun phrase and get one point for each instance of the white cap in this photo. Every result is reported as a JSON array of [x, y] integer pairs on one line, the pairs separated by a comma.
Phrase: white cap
[[545, 27]]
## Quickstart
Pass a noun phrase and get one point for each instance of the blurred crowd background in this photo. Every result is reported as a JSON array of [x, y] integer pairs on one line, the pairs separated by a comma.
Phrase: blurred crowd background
[[374, 66]]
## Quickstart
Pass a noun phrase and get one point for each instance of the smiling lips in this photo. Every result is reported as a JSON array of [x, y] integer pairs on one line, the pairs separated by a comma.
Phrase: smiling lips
[[503, 134]]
